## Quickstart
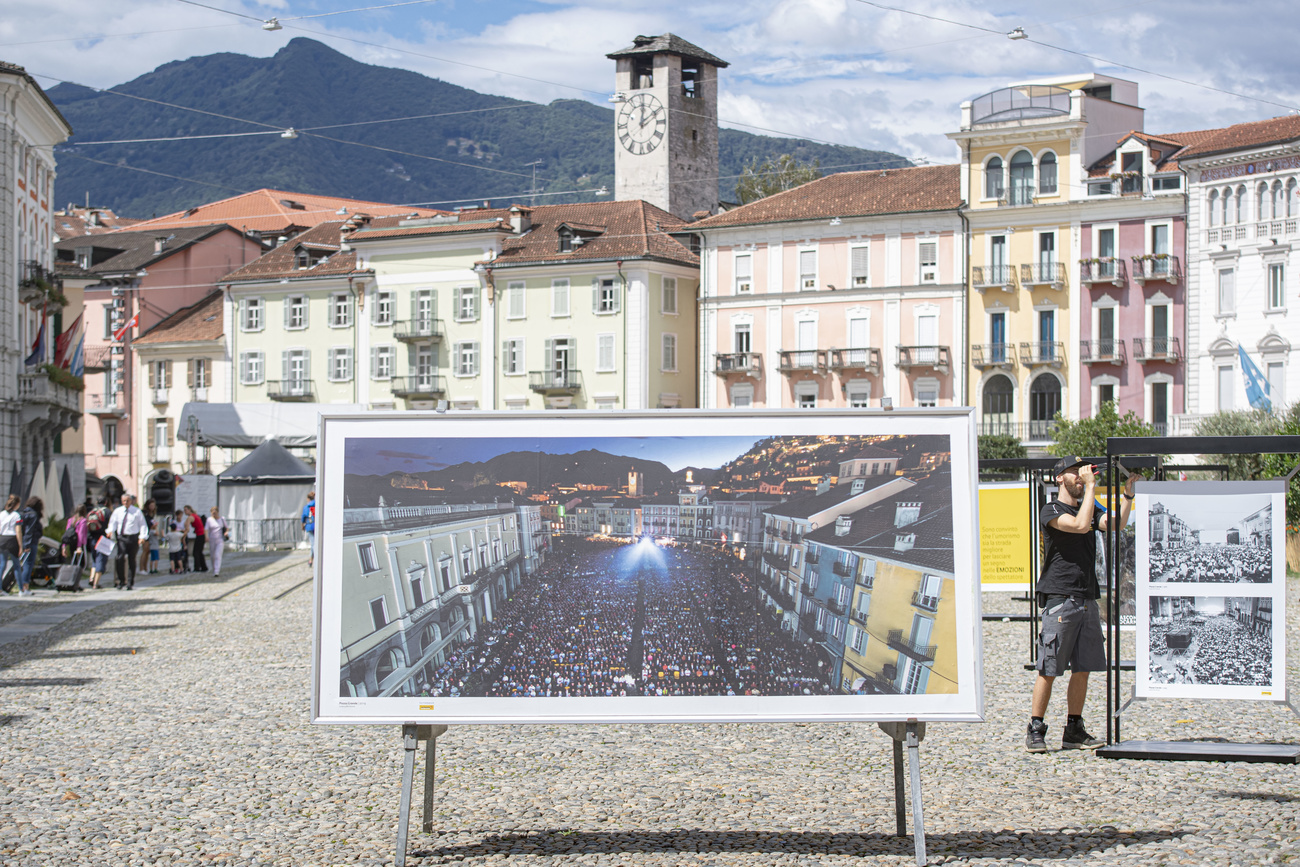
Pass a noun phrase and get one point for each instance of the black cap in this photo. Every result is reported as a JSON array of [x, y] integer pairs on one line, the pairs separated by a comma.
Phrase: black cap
[[1068, 462]]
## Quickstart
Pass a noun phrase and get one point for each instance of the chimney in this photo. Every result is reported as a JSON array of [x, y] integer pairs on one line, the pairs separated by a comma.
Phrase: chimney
[[159, 243], [280, 240], [858, 486], [842, 525], [824, 485], [520, 219]]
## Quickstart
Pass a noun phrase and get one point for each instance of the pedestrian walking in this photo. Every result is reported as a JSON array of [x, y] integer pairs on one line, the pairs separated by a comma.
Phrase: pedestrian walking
[[75, 533], [182, 521], [176, 547], [309, 526], [125, 527], [200, 539], [30, 535], [216, 534], [150, 510], [96, 526], [11, 547]]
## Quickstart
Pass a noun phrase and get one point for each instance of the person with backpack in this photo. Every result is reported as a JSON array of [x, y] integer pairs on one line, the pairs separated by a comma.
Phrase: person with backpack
[[96, 525], [30, 516], [11, 546]]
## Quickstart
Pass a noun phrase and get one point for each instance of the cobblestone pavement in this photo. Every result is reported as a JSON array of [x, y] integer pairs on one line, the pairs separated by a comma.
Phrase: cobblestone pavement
[[170, 725]]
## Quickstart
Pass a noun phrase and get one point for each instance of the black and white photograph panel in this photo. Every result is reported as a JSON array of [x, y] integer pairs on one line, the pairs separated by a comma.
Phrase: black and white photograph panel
[[1210, 538], [1211, 640]]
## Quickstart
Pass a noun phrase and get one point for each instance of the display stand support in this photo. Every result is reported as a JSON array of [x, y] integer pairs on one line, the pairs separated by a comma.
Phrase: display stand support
[[909, 735], [412, 734]]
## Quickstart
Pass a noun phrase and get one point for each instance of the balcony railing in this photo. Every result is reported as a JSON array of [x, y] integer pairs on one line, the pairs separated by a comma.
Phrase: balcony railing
[[299, 390], [776, 561], [1108, 269], [883, 682], [1167, 269], [34, 388], [925, 602], [160, 396], [1043, 274], [993, 355], [555, 381], [906, 646], [842, 569], [1275, 228], [1025, 431], [994, 277], [805, 360], [426, 385], [812, 558], [200, 394], [750, 363], [857, 615], [924, 356], [1156, 349], [835, 606], [808, 623], [1042, 353], [1108, 351], [112, 404], [418, 330], [867, 359], [807, 589], [160, 454]]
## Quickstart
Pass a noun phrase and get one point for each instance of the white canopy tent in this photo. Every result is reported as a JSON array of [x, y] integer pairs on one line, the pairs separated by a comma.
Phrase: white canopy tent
[[262, 496]]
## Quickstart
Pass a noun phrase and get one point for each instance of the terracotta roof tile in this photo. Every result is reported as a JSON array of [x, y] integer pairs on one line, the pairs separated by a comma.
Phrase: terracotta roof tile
[[199, 322], [137, 249], [1239, 136], [77, 223], [269, 211], [283, 260], [852, 194]]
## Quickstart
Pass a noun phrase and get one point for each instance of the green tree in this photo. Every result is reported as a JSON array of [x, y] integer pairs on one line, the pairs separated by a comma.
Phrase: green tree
[[759, 180], [1243, 423], [1000, 447], [1087, 436], [1276, 466]]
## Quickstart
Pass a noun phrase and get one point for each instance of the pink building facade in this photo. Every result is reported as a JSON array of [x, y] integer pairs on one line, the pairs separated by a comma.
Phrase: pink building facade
[[839, 293]]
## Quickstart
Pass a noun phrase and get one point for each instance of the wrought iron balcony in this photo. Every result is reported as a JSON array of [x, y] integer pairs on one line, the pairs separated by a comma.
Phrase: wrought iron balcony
[[807, 589], [1156, 349], [906, 646], [984, 355], [160, 396], [835, 606], [199, 394], [1165, 268], [1108, 351], [418, 330], [866, 359], [1107, 269], [750, 363], [780, 562], [1042, 353], [808, 623], [425, 385], [994, 277], [924, 356], [297, 390], [802, 360], [1040, 430], [160, 454], [858, 616], [924, 602], [555, 381], [1043, 274], [842, 569], [812, 558]]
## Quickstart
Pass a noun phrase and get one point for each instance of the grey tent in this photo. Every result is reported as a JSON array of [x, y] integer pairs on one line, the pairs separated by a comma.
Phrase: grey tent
[[261, 497]]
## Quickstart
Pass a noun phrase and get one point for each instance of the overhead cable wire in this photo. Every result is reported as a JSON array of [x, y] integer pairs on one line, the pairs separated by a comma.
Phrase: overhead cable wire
[[219, 9]]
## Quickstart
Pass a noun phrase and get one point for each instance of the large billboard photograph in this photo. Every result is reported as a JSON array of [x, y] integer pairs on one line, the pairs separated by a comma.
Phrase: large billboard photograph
[[1198, 638], [654, 567]]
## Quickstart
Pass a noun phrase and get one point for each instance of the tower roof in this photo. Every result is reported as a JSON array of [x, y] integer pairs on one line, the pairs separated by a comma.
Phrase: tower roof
[[668, 43]]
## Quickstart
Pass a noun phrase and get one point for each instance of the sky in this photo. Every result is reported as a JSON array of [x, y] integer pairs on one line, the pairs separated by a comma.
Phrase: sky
[[377, 457], [853, 72], [1214, 515]]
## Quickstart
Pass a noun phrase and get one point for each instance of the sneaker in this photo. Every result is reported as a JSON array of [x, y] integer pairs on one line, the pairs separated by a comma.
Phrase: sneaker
[[1035, 737], [1076, 738]]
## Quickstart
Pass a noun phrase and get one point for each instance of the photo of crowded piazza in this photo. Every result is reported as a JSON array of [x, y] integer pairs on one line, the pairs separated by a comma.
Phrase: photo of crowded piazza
[[1225, 539], [1211, 640], [648, 566]]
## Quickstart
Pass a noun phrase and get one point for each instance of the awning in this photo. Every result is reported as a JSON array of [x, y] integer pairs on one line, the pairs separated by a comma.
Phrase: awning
[[248, 425]]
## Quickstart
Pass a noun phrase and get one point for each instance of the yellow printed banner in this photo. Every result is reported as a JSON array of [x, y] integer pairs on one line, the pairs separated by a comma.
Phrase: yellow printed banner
[[1005, 536]]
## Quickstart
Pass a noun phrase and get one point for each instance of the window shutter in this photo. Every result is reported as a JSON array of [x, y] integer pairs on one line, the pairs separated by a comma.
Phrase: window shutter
[[260, 358], [288, 311], [573, 353], [331, 357], [189, 373], [171, 432], [151, 426], [306, 365], [284, 364], [860, 266], [374, 362], [550, 354], [153, 376], [306, 309], [595, 294], [167, 374], [415, 304], [243, 314]]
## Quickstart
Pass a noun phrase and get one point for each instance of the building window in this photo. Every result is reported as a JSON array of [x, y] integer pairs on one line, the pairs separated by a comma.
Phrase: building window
[[378, 613], [669, 306], [251, 316], [742, 338], [859, 267], [1022, 178], [807, 269], [467, 358], [806, 399], [466, 303], [929, 255], [340, 310], [199, 373], [1224, 387], [1047, 174], [1105, 394], [1166, 184], [295, 312], [383, 308], [252, 368], [515, 298], [1276, 286], [669, 355], [417, 589], [1276, 373], [604, 352], [1160, 407], [381, 364], [108, 321], [109, 436], [512, 357], [369, 562], [560, 297], [606, 403], [993, 178], [744, 274], [927, 392], [340, 364], [605, 296], [1227, 292], [742, 395], [859, 395]]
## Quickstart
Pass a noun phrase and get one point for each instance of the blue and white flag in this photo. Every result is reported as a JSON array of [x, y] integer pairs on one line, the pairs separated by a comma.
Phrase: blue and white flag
[[1257, 391], [77, 364]]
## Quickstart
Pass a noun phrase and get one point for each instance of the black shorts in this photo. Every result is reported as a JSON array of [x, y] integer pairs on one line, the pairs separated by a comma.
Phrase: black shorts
[[1071, 637]]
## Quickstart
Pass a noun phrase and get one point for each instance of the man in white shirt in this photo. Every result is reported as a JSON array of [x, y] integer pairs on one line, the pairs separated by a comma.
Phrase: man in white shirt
[[126, 527]]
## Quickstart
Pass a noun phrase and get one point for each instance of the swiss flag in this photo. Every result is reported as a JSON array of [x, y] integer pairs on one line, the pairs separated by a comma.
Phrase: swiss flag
[[120, 334]]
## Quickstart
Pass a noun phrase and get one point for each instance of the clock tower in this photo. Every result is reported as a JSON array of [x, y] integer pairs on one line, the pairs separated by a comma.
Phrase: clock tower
[[666, 124]]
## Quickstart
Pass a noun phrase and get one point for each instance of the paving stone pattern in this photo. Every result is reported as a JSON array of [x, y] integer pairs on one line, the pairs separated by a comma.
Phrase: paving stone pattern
[[170, 725]]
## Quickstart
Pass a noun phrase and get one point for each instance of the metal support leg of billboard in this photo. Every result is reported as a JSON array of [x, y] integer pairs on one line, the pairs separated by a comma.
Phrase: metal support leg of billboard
[[909, 735], [412, 734], [1133, 452]]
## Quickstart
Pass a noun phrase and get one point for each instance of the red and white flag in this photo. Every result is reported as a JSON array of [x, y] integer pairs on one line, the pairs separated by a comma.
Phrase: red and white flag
[[65, 344], [120, 334]]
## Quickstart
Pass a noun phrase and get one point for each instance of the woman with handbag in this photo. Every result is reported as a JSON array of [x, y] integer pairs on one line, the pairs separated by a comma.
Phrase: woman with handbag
[[10, 542], [98, 554]]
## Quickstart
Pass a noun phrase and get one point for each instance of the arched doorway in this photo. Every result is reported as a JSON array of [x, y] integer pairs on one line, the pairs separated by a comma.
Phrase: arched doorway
[[1044, 404], [998, 408]]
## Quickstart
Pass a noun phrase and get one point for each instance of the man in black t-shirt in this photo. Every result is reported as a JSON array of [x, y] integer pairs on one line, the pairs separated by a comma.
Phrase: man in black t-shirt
[[1067, 594]]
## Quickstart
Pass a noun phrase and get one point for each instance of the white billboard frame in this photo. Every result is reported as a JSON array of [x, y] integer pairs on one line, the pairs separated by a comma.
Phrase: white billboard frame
[[368, 432]]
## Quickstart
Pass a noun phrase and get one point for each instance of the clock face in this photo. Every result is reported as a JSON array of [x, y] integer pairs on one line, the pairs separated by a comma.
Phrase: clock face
[[642, 122]]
